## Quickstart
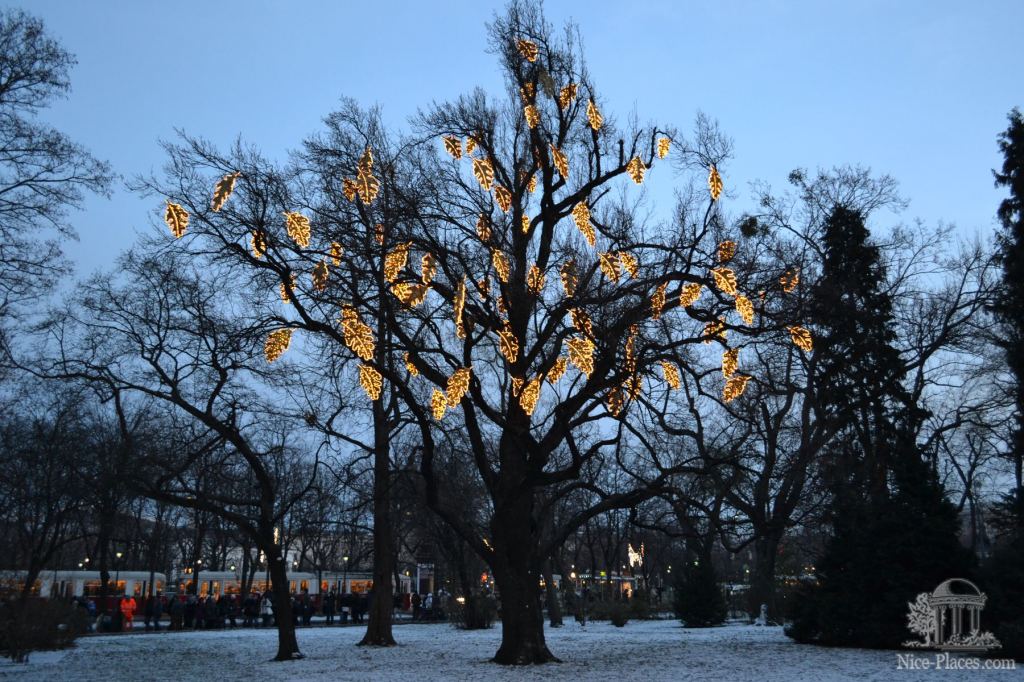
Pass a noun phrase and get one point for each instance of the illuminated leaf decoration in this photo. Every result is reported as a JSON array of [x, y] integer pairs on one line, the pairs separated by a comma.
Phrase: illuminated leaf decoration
[[581, 321], [532, 115], [528, 49], [569, 278], [531, 185], [483, 228], [629, 263], [745, 308], [378, 233], [663, 147], [453, 146], [438, 404], [409, 367], [527, 92], [714, 330], [730, 362], [177, 219], [395, 261], [671, 374], [725, 279], [789, 280], [734, 387], [320, 274], [528, 398], [658, 301], [508, 343], [802, 338], [715, 184], [297, 226], [566, 95], [366, 183], [581, 353], [503, 197], [337, 251], [500, 262], [726, 251], [276, 344], [581, 216], [349, 188], [560, 160], [458, 385], [557, 370], [284, 290], [525, 223], [636, 169], [371, 381], [689, 295], [358, 336], [535, 280], [594, 116], [459, 304], [258, 243], [483, 171], [615, 401], [609, 263], [223, 189], [428, 268], [517, 385], [410, 294], [470, 144]]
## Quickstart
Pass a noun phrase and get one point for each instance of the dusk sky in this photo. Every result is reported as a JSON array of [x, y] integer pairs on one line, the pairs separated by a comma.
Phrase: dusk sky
[[918, 90]]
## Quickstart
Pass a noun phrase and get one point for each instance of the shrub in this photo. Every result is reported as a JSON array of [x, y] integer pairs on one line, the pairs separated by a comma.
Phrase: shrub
[[698, 598], [476, 613], [38, 625]]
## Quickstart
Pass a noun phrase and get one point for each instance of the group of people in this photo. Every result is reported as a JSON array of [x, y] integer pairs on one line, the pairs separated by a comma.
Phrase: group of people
[[430, 606]]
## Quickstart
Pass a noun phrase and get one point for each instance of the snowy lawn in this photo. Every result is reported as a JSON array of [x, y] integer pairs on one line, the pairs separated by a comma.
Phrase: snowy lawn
[[648, 651]]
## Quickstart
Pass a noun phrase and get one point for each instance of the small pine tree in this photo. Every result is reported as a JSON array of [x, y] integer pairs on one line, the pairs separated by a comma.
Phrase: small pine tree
[[699, 602]]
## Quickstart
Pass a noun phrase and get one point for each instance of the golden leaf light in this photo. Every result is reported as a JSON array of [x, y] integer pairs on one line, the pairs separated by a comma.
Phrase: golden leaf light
[[560, 160], [557, 370], [725, 279], [726, 251], [581, 321], [320, 275], [594, 116], [524, 223], [802, 338], [504, 198], [535, 280], [409, 367], [366, 183], [689, 294], [458, 385], [258, 243], [378, 233], [438, 404], [527, 92], [532, 115], [483, 227], [629, 263], [789, 280], [428, 268], [715, 329], [734, 387], [358, 336], [371, 381], [508, 343], [609, 263], [615, 401], [745, 308], [222, 190], [501, 265], [567, 273], [528, 398], [730, 362], [636, 169], [284, 289], [715, 183], [337, 251], [453, 146], [410, 294], [395, 261], [531, 184], [483, 171], [528, 49], [349, 188], [663, 147], [470, 144], [297, 226], [276, 344], [671, 374], [658, 301], [566, 95], [459, 304], [581, 353], [581, 216], [517, 385], [176, 218]]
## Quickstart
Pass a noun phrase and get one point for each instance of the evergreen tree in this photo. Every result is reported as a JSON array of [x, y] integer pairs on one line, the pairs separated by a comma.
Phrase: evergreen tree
[[698, 597], [894, 533]]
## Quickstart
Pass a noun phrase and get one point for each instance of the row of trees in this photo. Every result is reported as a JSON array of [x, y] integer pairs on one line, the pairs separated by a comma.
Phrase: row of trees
[[485, 313]]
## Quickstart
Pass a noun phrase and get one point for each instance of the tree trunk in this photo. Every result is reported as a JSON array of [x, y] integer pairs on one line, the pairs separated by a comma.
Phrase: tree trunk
[[378, 627], [517, 580], [762, 578], [554, 607], [287, 644]]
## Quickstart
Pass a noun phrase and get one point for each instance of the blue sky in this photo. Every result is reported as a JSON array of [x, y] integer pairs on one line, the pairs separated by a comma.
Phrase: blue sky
[[918, 90]]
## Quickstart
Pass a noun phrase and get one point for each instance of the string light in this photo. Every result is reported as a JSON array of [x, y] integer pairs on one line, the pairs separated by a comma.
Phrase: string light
[[297, 226], [371, 381], [689, 294], [636, 169], [177, 219], [715, 183], [222, 190], [581, 353], [663, 147], [276, 344], [358, 336], [581, 216], [453, 146], [609, 263], [567, 273], [671, 374], [594, 116], [658, 301]]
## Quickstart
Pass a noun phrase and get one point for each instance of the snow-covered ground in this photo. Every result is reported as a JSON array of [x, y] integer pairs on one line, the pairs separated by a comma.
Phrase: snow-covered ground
[[647, 651]]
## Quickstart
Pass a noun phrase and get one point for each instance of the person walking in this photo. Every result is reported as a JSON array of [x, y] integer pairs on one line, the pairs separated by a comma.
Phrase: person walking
[[158, 610], [176, 607], [329, 607], [416, 602], [267, 609], [128, 607]]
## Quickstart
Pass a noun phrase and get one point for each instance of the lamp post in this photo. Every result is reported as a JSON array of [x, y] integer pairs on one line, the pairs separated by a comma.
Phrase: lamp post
[[199, 566], [344, 580], [117, 571]]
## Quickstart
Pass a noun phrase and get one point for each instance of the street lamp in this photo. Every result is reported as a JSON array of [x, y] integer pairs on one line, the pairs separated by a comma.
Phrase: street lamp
[[195, 579], [117, 571], [344, 580]]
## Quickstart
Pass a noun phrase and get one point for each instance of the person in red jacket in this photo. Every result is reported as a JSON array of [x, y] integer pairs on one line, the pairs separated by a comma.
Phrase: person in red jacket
[[128, 606]]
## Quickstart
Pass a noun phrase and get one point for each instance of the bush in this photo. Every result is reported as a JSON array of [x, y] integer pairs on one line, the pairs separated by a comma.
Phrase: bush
[[699, 602], [640, 606], [478, 612], [619, 614], [38, 625], [614, 610]]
